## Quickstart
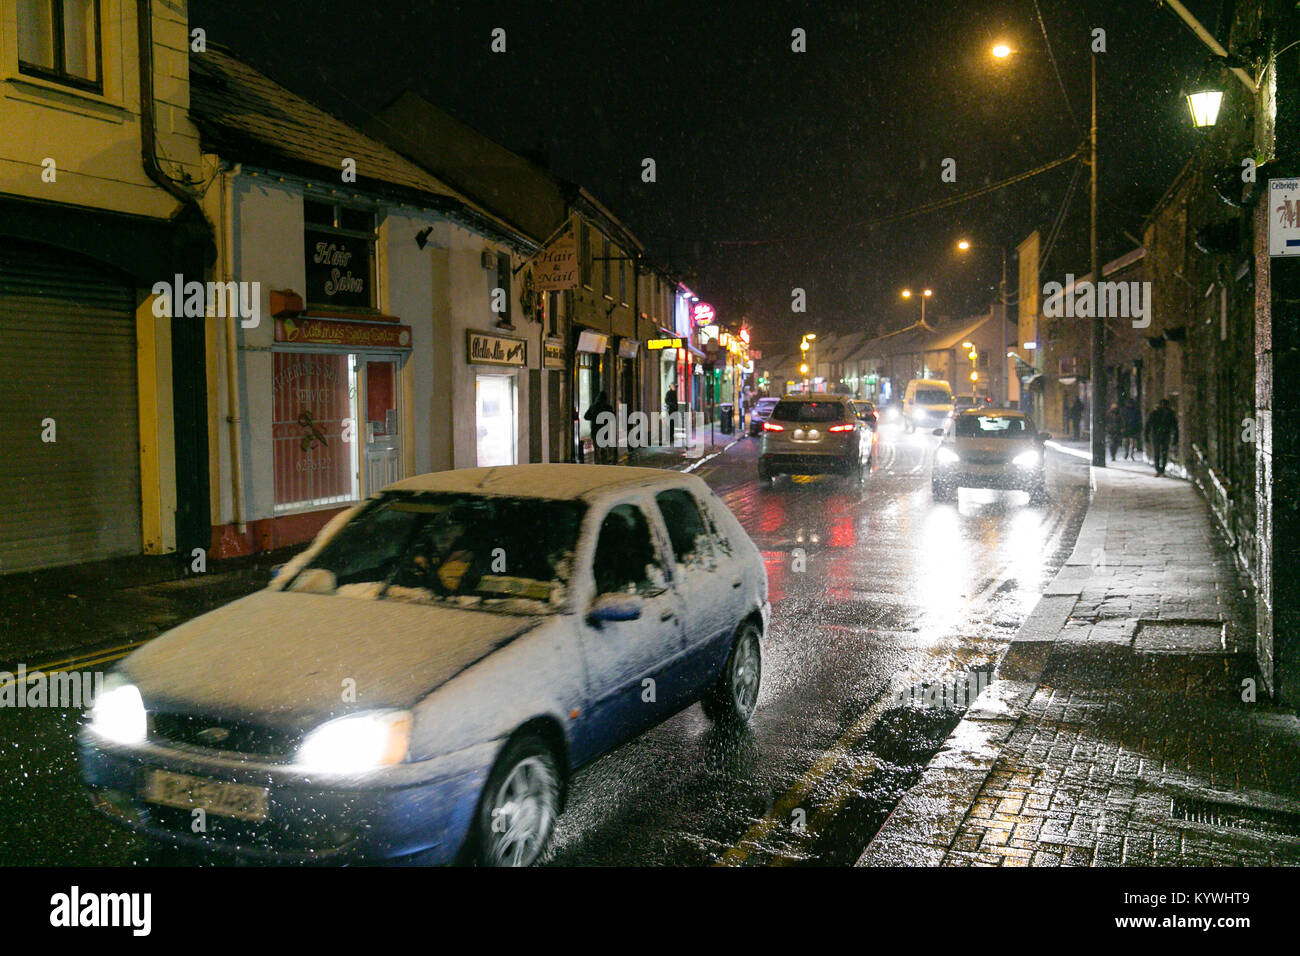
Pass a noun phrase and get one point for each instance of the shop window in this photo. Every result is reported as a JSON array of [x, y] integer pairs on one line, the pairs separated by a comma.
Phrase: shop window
[[494, 398], [313, 430], [59, 40], [340, 255], [553, 313], [622, 282]]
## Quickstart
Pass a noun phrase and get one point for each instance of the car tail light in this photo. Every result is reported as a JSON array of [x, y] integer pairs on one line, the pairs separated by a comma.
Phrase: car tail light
[[769, 427], [840, 428]]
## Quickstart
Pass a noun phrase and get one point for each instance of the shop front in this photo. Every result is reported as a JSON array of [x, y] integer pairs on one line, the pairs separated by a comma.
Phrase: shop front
[[590, 349], [496, 361], [336, 414]]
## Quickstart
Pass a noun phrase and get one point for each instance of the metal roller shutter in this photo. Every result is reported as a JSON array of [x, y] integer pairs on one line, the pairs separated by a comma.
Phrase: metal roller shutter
[[67, 352]]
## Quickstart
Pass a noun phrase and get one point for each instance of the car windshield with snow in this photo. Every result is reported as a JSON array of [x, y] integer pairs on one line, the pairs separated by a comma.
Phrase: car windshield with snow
[[425, 678], [494, 553]]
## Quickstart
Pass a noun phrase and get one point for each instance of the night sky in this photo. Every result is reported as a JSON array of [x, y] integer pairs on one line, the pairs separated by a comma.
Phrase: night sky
[[773, 165]]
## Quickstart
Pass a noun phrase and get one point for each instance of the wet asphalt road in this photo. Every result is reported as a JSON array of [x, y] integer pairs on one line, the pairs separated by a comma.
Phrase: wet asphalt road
[[873, 590], [895, 591]]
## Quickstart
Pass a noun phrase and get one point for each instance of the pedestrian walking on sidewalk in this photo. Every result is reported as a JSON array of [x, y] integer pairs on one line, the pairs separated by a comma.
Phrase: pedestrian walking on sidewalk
[[1114, 430], [1076, 417], [670, 406], [1162, 433], [606, 450], [1132, 416]]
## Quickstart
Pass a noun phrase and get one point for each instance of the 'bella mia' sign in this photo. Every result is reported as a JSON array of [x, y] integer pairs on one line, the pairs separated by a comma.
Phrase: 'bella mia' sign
[[483, 348]]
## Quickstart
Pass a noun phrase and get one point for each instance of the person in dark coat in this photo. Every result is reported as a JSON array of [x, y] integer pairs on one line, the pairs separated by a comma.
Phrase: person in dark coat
[[1132, 427], [607, 453], [1162, 433], [1114, 430], [1076, 417], [670, 406]]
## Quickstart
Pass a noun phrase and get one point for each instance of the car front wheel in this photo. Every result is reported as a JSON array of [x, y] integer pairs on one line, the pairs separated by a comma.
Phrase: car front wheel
[[943, 491], [520, 804], [731, 701]]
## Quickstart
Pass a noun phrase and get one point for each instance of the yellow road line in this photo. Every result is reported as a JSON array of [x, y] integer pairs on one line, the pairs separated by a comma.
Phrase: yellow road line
[[104, 656]]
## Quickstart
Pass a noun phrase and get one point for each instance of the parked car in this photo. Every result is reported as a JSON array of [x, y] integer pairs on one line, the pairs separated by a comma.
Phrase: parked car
[[927, 403], [815, 434], [427, 676], [759, 414], [989, 448]]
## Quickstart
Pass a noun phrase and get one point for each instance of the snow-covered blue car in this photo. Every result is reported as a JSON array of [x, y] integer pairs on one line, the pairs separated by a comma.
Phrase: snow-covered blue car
[[423, 680]]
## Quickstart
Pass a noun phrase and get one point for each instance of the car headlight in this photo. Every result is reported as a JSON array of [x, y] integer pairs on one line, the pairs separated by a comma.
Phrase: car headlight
[[357, 742], [118, 712], [1026, 459], [946, 456]]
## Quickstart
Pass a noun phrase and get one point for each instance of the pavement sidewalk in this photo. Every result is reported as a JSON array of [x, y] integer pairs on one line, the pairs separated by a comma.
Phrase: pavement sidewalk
[[1119, 729]]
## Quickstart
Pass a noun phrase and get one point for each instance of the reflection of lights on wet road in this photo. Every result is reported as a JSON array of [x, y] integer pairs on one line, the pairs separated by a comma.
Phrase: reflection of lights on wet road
[[942, 569]]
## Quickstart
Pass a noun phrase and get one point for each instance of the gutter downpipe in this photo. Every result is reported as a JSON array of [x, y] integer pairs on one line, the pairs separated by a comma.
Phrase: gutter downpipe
[[148, 155], [233, 416]]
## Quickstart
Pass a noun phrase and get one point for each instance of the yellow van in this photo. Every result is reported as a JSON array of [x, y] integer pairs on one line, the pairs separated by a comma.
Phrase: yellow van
[[927, 403]]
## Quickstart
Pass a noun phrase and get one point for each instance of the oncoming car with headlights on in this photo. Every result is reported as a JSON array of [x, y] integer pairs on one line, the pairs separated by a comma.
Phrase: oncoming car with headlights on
[[422, 682], [989, 448]]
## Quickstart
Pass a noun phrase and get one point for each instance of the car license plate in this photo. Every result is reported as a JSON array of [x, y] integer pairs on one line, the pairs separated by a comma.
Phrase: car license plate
[[238, 800]]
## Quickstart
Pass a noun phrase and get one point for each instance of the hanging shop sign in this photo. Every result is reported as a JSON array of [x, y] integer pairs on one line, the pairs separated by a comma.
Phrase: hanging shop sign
[[654, 345], [368, 335], [556, 267], [485, 348], [703, 313], [627, 348], [589, 341], [552, 355]]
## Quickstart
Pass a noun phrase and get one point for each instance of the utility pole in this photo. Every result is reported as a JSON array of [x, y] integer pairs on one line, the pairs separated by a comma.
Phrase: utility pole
[[1098, 372]]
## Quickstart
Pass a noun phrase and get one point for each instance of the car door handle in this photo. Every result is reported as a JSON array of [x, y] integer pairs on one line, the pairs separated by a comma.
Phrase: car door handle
[[736, 583], [668, 616]]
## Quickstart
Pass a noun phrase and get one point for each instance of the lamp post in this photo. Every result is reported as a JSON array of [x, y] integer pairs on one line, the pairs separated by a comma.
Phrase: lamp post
[[1002, 51], [805, 348], [924, 294], [964, 245]]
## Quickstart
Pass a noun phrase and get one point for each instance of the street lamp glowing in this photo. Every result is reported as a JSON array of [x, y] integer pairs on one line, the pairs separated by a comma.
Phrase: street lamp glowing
[[928, 292], [804, 346], [907, 293], [963, 244], [974, 376], [967, 345], [1001, 51], [1204, 105], [803, 369]]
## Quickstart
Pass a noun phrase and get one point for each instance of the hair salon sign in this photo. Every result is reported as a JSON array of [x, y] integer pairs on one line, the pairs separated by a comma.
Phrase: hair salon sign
[[484, 348]]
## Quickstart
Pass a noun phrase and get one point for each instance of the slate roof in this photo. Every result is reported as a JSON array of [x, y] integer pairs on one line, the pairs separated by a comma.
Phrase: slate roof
[[244, 115]]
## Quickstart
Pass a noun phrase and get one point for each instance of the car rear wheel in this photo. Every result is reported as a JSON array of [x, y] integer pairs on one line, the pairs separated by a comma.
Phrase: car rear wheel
[[731, 701], [943, 491], [520, 804]]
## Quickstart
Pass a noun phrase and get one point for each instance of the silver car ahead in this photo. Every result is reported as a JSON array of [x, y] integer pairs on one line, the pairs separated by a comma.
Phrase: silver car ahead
[[815, 434], [989, 448]]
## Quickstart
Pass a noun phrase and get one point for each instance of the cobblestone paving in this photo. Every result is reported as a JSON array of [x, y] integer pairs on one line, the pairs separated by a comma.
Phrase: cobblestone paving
[[1120, 736]]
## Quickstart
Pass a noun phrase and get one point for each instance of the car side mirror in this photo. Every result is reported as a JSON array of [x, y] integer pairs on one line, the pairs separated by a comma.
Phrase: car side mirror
[[614, 607], [937, 432], [1044, 436]]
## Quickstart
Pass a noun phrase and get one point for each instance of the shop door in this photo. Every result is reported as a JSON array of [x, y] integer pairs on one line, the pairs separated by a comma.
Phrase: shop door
[[69, 424], [383, 448], [494, 408]]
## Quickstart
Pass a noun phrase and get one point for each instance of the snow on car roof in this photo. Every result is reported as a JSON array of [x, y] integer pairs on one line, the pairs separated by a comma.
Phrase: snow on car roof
[[557, 481]]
